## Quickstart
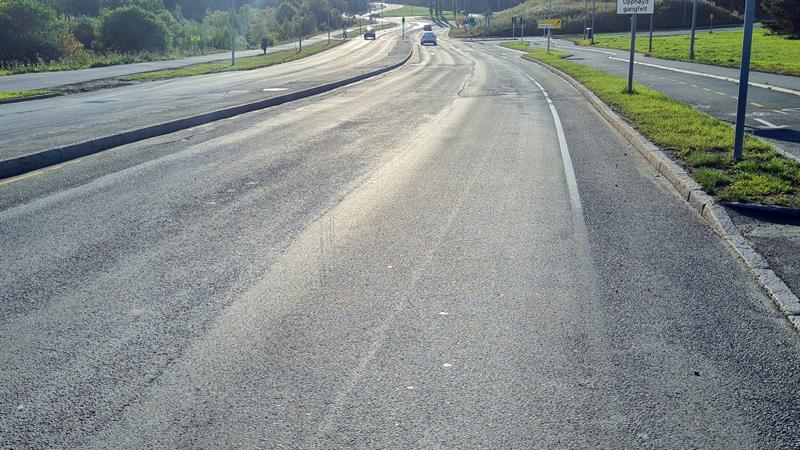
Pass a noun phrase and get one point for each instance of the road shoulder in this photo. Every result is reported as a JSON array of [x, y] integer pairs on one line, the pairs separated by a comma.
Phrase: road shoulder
[[715, 215]]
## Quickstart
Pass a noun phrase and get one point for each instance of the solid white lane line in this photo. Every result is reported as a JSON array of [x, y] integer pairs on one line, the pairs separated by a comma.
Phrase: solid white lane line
[[569, 172], [716, 77]]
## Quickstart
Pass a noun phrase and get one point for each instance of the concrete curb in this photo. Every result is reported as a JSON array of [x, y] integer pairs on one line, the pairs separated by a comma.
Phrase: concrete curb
[[714, 214], [44, 158], [30, 98]]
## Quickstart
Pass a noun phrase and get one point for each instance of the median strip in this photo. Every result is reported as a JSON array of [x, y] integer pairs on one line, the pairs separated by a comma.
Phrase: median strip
[[248, 63], [18, 96], [44, 158]]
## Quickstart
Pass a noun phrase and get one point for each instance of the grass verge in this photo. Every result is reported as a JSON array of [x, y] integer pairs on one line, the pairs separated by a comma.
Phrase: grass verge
[[700, 143], [11, 95], [87, 60], [248, 63], [771, 53]]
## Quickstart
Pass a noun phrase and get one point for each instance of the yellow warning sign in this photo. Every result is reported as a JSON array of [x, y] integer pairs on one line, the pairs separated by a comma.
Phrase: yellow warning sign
[[550, 23]]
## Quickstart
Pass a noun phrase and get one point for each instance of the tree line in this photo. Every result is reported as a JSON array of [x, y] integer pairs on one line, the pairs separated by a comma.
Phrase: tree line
[[36, 31]]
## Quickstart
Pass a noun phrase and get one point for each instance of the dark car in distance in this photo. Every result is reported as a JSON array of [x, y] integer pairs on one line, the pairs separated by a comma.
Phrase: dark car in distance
[[369, 33]]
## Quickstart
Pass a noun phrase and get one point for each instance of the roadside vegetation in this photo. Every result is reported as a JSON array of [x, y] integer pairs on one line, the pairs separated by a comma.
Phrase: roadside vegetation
[[47, 35], [700, 143], [417, 11], [771, 52], [669, 14], [6, 95], [248, 63]]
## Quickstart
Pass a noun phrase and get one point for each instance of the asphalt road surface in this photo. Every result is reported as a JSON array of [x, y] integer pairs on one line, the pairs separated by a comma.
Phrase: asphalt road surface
[[442, 256], [772, 113], [52, 122]]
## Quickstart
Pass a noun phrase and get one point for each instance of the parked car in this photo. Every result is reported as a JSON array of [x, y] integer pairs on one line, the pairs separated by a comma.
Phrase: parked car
[[428, 37], [369, 33]]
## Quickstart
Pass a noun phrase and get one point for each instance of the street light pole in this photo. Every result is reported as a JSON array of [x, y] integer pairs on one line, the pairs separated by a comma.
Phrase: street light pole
[[593, 21], [650, 47]]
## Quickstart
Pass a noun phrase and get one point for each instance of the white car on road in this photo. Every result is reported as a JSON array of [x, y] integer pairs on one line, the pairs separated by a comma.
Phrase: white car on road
[[428, 37]]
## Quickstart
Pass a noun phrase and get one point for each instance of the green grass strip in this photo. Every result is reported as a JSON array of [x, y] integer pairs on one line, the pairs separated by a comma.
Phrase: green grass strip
[[702, 144], [248, 63], [6, 95], [771, 53]]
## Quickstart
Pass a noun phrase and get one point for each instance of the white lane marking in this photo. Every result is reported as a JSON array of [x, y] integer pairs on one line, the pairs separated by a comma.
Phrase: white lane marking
[[716, 77], [770, 125], [569, 172], [447, 365]]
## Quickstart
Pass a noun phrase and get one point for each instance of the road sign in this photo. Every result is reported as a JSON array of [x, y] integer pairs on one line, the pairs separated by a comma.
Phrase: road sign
[[636, 6], [549, 23]]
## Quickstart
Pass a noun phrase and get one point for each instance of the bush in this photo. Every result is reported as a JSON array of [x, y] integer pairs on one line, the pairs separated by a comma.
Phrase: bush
[[29, 31], [784, 17], [133, 29], [83, 30]]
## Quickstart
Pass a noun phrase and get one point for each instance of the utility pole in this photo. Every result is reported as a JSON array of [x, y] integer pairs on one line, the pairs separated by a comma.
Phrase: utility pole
[[744, 79], [522, 29], [650, 47], [694, 27], [233, 38], [593, 8]]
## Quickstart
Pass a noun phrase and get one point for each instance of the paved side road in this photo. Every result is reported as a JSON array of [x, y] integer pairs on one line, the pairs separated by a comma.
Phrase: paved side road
[[405, 263], [772, 114]]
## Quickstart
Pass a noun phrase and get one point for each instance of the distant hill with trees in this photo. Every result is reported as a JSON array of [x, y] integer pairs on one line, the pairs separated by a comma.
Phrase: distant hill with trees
[[780, 16]]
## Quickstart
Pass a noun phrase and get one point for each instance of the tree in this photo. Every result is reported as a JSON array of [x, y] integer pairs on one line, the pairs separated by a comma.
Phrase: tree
[[79, 8], [83, 30], [29, 30], [783, 17], [131, 29]]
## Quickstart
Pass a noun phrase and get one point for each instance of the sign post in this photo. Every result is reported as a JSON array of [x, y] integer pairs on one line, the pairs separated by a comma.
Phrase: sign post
[[404, 28], [694, 28], [548, 25], [744, 78], [522, 28], [513, 27], [634, 8]]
